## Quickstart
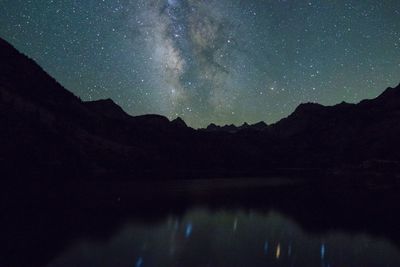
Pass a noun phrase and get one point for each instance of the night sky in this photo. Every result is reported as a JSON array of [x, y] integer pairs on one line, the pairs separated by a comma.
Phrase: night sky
[[222, 61]]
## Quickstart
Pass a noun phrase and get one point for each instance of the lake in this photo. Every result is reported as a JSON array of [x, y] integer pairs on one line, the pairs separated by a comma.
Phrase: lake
[[259, 223]]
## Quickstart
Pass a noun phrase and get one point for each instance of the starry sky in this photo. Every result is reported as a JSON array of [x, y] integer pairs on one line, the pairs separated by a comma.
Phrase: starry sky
[[221, 61]]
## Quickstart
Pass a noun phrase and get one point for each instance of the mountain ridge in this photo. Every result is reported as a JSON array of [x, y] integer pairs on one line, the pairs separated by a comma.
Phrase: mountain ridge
[[48, 132]]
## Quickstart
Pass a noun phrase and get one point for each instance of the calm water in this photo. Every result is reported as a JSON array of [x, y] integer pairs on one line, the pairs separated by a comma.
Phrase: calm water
[[203, 224], [228, 238]]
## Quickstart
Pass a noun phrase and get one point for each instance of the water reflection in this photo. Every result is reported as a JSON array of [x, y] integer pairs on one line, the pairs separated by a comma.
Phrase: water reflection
[[278, 251], [228, 238]]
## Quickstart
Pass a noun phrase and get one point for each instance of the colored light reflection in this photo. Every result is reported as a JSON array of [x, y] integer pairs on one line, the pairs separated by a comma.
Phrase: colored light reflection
[[188, 230], [278, 251], [235, 224], [139, 262], [322, 251]]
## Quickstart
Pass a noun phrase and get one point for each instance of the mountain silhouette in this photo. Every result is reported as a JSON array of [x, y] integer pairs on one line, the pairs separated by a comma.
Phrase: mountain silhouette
[[259, 126], [346, 133], [49, 132]]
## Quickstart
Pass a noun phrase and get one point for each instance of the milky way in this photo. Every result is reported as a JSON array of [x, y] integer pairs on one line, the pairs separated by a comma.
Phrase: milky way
[[211, 60], [194, 56]]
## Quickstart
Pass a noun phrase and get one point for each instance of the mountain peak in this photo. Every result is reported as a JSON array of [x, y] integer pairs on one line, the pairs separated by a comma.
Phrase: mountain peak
[[231, 128], [388, 99], [261, 125], [390, 92], [106, 101], [179, 122], [107, 108], [308, 107]]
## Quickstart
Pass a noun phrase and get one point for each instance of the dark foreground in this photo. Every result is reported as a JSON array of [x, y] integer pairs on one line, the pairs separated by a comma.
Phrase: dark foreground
[[257, 222]]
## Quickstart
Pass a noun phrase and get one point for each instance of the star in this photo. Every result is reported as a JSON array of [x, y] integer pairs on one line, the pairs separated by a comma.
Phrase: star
[[165, 56]]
